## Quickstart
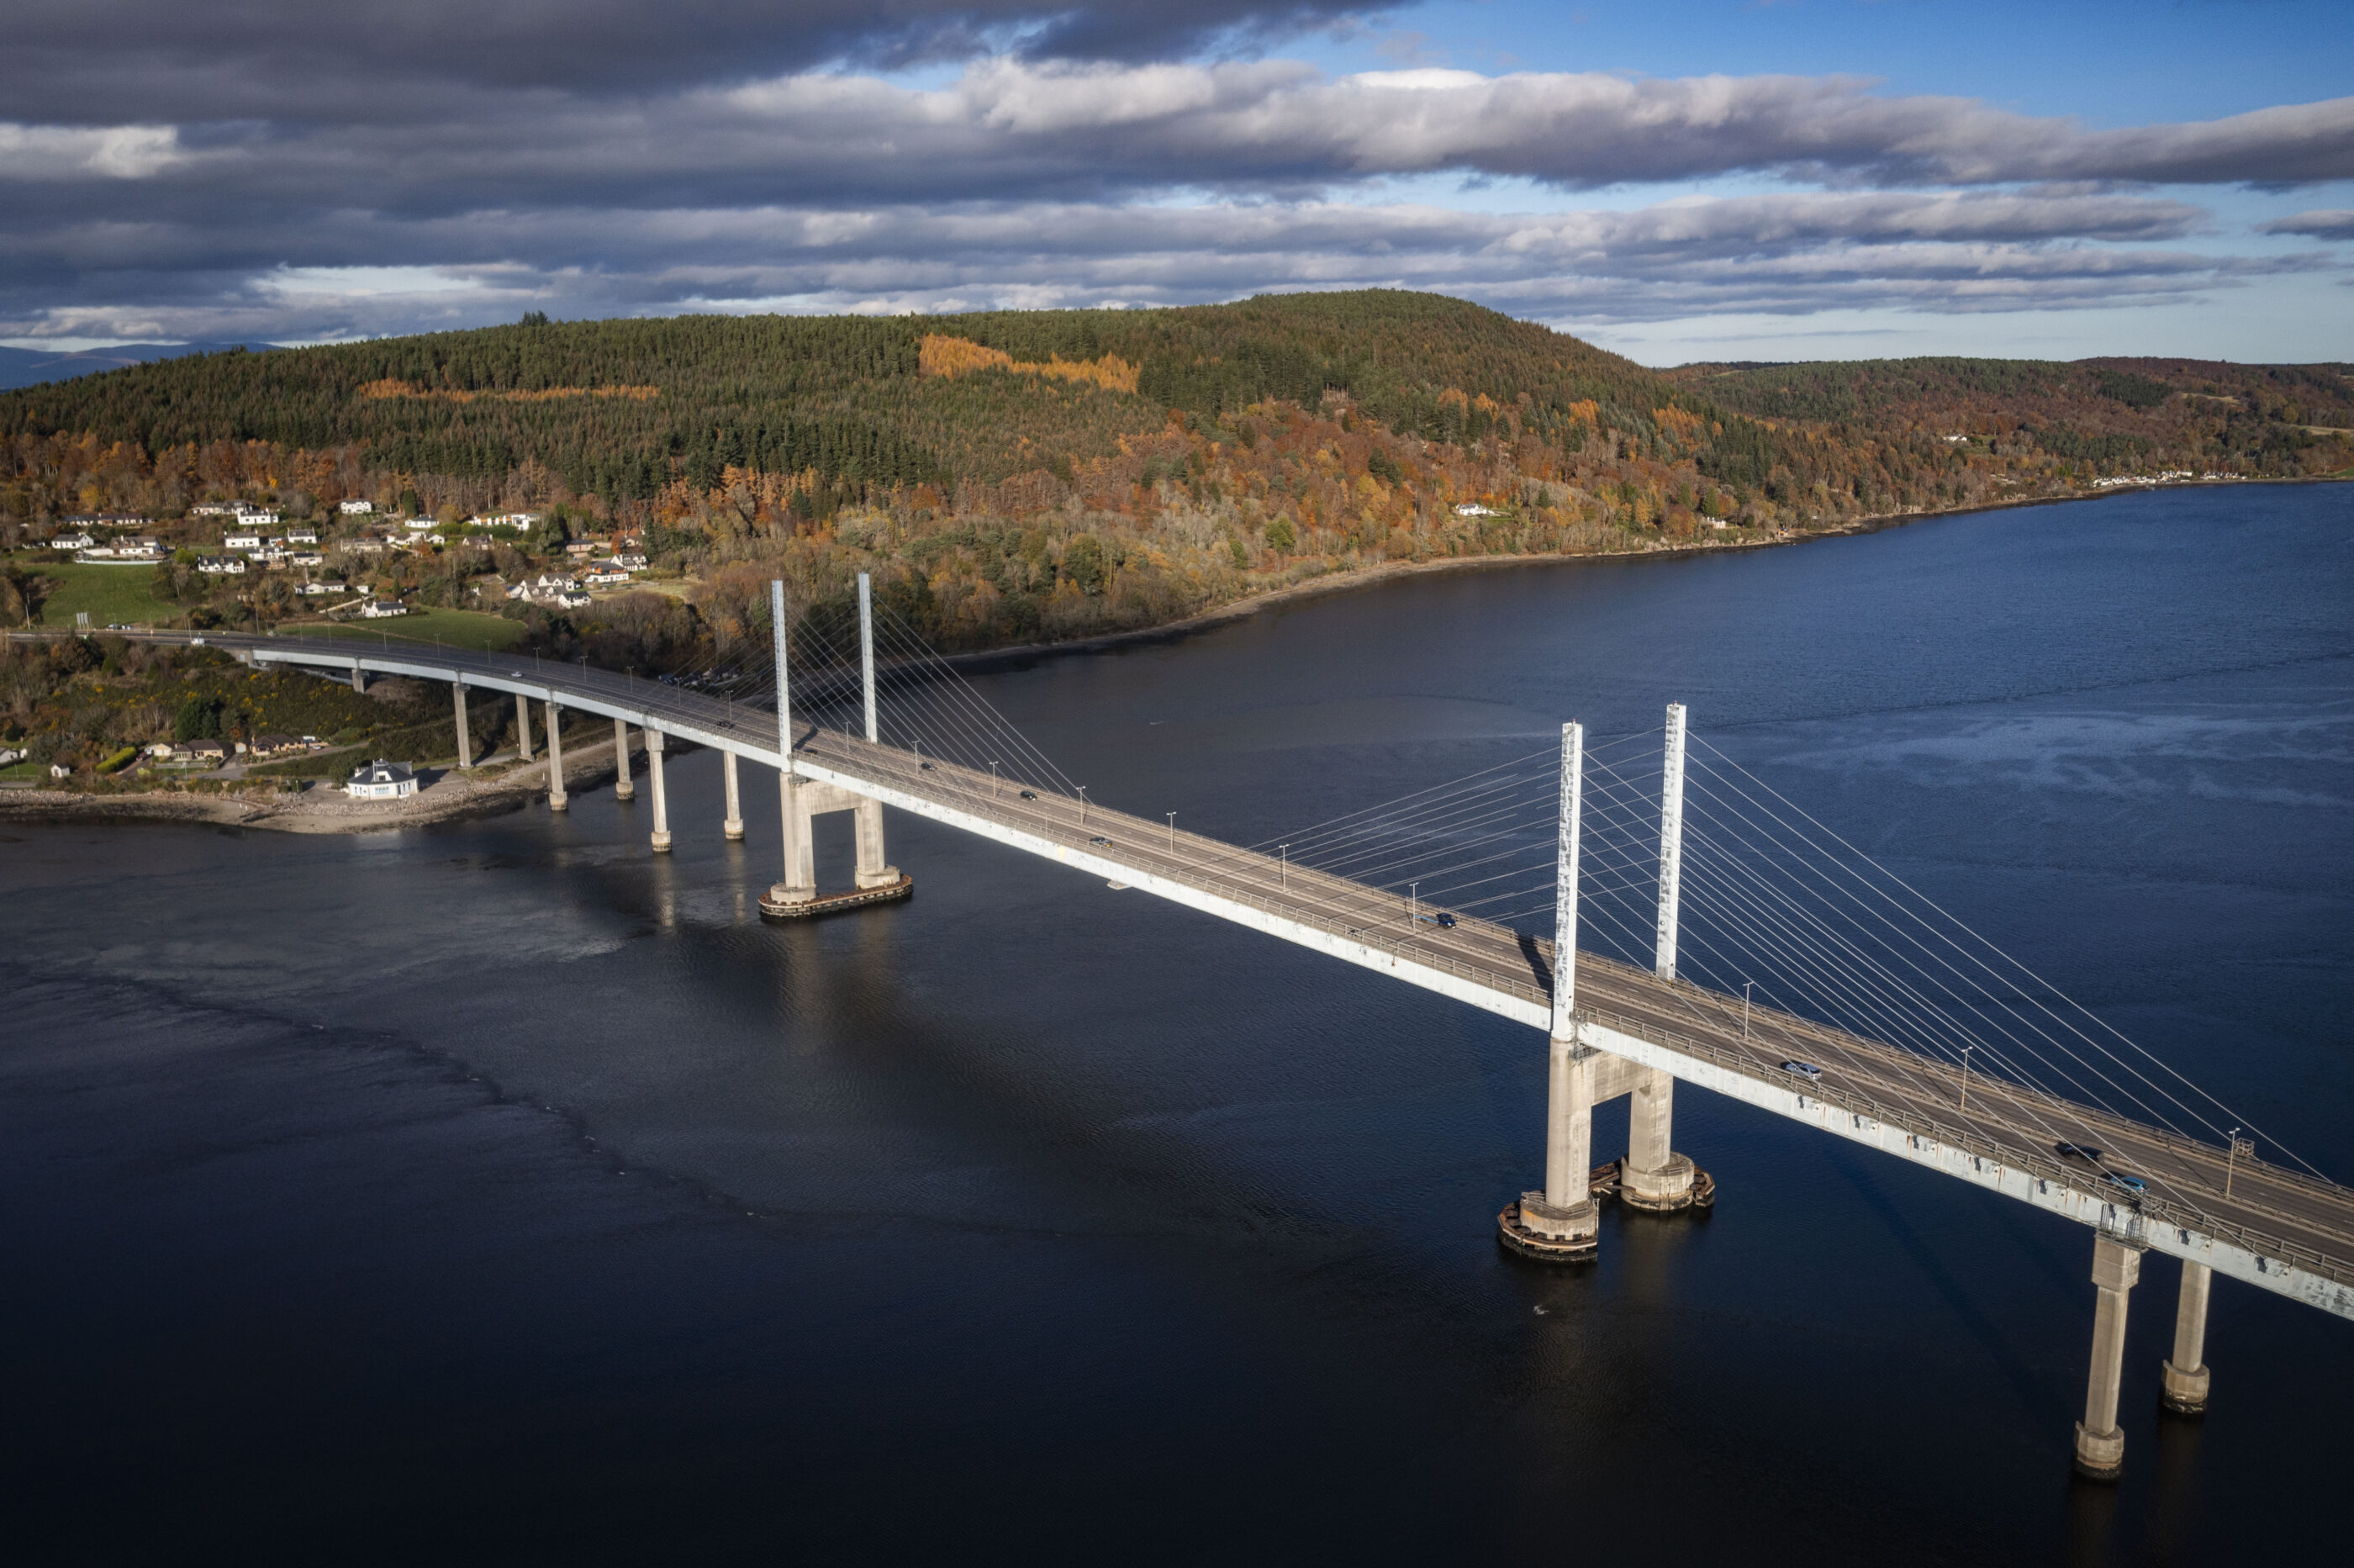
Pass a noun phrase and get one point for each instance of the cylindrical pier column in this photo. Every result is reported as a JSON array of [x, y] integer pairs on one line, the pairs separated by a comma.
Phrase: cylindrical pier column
[[1562, 1223], [1654, 1176], [2100, 1446], [624, 788], [2183, 1387], [523, 728], [800, 885], [465, 742], [661, 801], [874, 869], [557, 799], [734, 826]]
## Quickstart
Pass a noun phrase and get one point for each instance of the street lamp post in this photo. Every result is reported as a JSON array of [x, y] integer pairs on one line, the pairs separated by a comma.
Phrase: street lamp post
[[1965, 1079], [1173, 832], [2231, 1157], [1283, 866], [1083, 805], [1746, 987], [1413, 905]]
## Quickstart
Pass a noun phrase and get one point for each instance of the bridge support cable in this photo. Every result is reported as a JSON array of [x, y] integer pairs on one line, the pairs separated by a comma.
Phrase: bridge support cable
[[2012, 975], [2005, 1028]]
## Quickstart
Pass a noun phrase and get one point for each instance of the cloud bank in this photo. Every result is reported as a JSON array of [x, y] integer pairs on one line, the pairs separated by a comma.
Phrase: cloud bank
[[297, 172]]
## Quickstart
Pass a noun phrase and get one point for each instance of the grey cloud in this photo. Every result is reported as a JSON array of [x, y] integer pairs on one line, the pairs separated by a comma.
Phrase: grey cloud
[[1789, 254], [2318, 224], [68, 59]]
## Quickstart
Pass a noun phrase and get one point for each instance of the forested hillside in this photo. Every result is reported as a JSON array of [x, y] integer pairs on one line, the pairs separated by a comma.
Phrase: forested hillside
[[1025, 474]]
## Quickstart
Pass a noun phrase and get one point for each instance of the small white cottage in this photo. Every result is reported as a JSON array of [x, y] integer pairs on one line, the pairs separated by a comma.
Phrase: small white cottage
[[382, 780]]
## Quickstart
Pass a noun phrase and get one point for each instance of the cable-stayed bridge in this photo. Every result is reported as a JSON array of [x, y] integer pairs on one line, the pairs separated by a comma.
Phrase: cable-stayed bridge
[[1707, 930]]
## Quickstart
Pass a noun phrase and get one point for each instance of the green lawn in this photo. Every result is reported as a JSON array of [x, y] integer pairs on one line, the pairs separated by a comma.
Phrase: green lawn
[[109, 594], [457, 628]]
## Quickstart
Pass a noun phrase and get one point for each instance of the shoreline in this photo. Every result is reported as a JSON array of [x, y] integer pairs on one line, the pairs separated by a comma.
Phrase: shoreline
[[321, 808], [1358, 577], [513, 789]]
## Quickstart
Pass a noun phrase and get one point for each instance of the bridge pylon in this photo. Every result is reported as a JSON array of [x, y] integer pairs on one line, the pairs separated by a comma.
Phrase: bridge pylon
[[802, 800]]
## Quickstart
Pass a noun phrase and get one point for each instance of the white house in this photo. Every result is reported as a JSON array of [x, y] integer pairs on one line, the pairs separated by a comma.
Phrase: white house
[[1473, 509], [301, 534], [357, 508], [603, 575], [221, 565], [420, 525], [305, 558], [241, 539], [321, 591], [382, 780], [629, 561], [72, 542], [382, 609], [213, 509]]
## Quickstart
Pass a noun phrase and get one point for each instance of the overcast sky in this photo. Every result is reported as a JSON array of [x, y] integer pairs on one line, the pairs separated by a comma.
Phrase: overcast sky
[[1763, 179]]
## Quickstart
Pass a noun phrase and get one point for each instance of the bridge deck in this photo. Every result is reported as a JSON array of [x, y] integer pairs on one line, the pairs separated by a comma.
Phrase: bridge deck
[[2282, 1231]]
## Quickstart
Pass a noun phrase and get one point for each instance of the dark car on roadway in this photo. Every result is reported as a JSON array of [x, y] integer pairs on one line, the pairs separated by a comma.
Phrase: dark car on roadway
[[2083, 1152]]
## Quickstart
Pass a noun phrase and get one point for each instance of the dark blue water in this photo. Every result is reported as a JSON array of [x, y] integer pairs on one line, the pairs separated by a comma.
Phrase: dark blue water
[[501, 1192]]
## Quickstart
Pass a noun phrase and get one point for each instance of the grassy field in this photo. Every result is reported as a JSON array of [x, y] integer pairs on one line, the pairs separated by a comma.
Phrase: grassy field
[[108, 594], [457, 627]]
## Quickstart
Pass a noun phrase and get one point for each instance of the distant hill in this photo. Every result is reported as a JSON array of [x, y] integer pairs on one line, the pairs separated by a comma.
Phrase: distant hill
[[31, 367], [1053, 473]]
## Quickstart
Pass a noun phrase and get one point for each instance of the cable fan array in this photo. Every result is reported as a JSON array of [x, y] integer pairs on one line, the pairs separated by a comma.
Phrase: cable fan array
[[1781, 919]]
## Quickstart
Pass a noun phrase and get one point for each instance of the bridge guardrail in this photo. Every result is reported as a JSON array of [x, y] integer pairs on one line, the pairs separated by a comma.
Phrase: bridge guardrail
[[1855, 1102]]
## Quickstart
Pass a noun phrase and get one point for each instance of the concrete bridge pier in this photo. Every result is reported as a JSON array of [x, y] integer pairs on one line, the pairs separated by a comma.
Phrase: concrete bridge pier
[[661, 801], [734, 826], [1561, 1224], [557, 800], [465, 743], [624, 788], [2100, 1446], [2183, 1386], [800, 885], [1654, 1176], [359, 678], [523, 728], [874, 867]]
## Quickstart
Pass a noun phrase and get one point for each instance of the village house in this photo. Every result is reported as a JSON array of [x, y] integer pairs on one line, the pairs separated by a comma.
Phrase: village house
[[603, 575], [317, 590], [221, 565], [420, 525], [382, 780], [629, 561], [74, 541], [241, 539], [357, 508], [382, 609], [301, 534]]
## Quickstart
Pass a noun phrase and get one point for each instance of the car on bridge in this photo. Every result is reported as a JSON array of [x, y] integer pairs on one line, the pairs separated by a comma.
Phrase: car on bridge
[[2133, 1184], [1442, 919], [1807, 1070], [2080, 1152]]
